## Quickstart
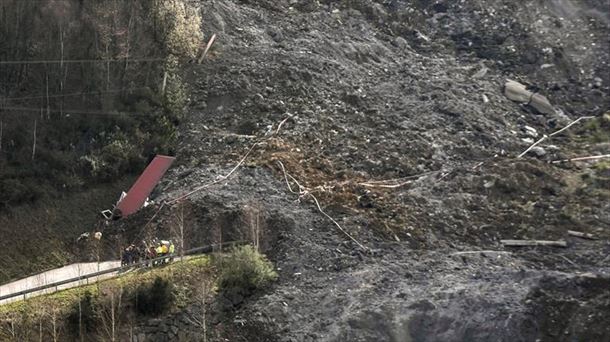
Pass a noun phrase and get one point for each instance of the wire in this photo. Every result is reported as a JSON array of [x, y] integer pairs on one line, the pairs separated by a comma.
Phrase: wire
[[70, 94], [73, 111], [58, 61]]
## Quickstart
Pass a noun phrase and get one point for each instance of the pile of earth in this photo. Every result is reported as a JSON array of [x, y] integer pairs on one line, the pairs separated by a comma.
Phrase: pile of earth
[[410, 91]]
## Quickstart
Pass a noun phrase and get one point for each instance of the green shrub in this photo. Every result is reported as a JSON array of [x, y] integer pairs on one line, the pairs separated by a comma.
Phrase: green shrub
[[154, 299], [243, 271], [596, 130]]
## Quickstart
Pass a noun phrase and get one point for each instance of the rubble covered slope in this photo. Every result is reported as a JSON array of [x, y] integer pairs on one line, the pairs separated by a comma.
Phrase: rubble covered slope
[[411, 92]]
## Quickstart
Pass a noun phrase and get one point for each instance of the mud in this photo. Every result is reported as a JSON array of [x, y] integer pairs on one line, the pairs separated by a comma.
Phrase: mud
[[388, 89]]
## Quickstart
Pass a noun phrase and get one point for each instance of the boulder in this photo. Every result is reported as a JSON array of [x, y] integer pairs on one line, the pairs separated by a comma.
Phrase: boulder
[[518, 92], [538, 151]]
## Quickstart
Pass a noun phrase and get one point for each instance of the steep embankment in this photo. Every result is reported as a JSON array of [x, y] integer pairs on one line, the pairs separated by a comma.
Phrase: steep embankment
[[378, 90]]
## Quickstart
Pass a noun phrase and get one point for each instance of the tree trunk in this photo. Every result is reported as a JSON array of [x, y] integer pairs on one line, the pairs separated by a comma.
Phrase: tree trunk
[[34, 144], [48, 103]]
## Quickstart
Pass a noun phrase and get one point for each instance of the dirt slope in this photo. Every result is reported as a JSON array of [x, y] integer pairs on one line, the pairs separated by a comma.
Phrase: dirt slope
[[388, 89]]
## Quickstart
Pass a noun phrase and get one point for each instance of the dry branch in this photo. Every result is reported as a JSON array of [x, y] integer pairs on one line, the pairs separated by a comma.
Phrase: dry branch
[[481, 252], [387, 186], [581, 235], [207, 48], [581, 159], [568, 260], [526, 243], [396, 182], [554, 133], [303, 192]]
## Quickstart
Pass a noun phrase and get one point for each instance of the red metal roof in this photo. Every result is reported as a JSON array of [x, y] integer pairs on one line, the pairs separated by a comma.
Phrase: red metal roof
[[142, 188]]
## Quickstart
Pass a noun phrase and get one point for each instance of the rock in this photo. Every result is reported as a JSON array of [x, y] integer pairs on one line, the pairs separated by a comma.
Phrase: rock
[[276, 35], [481, 73], [530, 131], [538, 151], [553, 148], [518, 92], [400, 42]]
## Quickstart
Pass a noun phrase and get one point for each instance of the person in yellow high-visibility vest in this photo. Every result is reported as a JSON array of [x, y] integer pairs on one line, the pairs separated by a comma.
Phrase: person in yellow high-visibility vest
[[164, 250], [172, 250]]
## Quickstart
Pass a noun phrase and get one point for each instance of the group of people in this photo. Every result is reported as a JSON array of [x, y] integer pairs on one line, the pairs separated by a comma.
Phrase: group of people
[[150, 252]]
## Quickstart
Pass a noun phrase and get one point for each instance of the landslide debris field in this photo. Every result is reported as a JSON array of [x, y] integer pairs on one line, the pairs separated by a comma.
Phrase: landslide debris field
[[385, 90]]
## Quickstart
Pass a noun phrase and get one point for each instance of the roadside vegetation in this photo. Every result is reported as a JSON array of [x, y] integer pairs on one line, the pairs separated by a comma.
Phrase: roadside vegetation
[[108, 310]]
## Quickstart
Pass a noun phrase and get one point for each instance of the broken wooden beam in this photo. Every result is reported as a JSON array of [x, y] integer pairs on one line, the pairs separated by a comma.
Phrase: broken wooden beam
[[581, 235], [581, 159], [526, 243], [481, 252]]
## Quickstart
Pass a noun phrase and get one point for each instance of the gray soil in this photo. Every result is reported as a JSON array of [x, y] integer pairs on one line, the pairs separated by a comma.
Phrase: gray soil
[[387, 89]]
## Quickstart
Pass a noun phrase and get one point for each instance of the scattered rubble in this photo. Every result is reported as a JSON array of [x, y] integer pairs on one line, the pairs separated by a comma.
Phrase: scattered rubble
[[379, 92]]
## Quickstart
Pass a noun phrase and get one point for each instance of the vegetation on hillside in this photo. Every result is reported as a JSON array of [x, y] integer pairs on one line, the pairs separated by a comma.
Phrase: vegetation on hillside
[[243, 271], [110, 309], [99, 96], [88, 310]]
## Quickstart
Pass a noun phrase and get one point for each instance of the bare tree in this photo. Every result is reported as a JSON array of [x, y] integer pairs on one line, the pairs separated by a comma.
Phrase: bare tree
[[34, 144], [198, 316], [8, 326], [42, 316], [17, 325], [252, 218], [110, 312], [54, 316], [178, 227], [80, 305]]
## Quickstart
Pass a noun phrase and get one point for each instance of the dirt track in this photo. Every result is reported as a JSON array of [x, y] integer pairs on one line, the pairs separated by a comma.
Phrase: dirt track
[[384, 90]]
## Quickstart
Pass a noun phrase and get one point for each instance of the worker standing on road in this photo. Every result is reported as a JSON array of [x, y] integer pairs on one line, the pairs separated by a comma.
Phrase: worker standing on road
[[172, 250], [165, 250], [159, 251]]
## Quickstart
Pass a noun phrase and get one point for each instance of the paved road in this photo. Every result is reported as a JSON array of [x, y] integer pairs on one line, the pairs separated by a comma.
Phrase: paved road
[[81, 269], [58, 274]]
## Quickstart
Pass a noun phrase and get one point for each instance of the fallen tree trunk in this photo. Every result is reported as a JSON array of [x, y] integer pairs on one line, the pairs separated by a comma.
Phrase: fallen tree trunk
[[526, 243]]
